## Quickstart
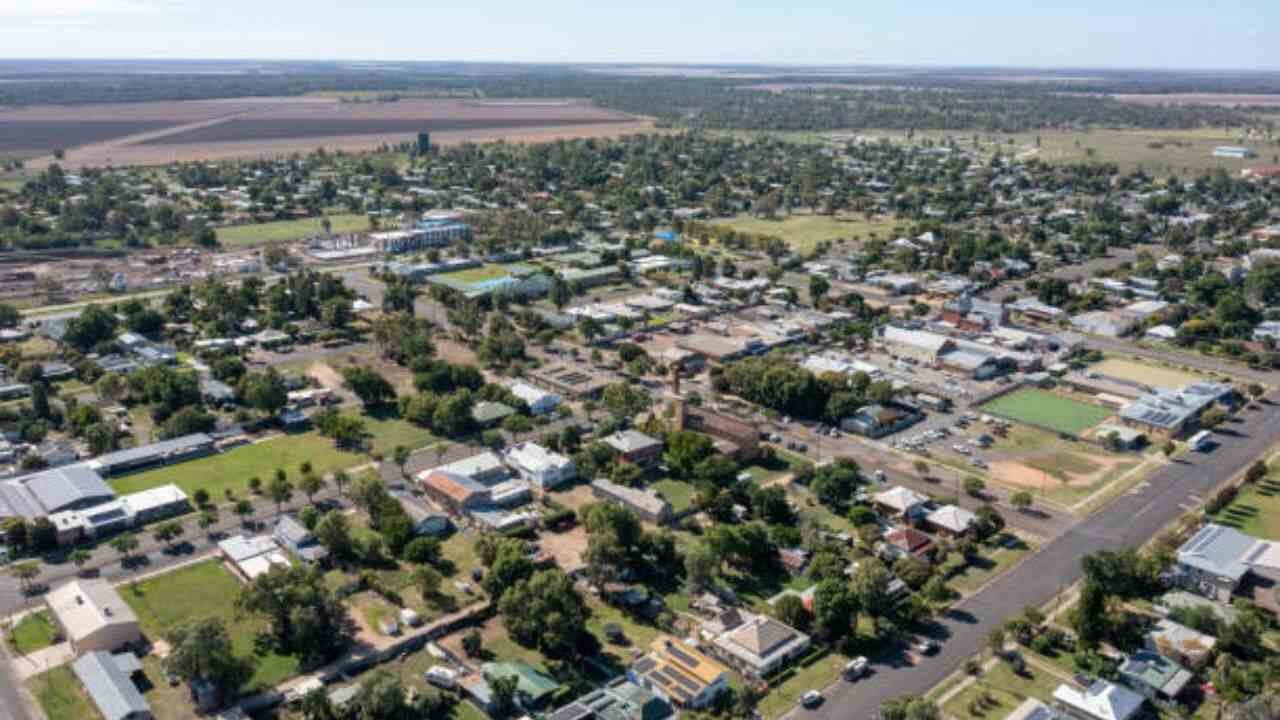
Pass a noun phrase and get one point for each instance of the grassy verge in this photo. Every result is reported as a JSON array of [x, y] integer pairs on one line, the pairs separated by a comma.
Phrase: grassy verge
[[61, 696], [820, 672], [1255, 510], [996, 557], [34, 632]]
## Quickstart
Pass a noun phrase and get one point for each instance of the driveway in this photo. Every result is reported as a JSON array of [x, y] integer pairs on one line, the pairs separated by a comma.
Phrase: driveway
[[1129, 521]]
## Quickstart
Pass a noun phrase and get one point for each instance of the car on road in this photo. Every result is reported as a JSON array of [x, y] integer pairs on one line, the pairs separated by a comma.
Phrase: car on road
[[811, 699], [856, 668], [926, 646], [960, 449]]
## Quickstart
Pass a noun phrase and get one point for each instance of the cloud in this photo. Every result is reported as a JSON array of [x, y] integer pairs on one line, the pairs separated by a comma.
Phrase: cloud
[[72, 9]]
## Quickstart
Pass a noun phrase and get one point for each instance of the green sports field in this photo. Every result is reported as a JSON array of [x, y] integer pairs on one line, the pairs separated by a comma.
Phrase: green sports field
[[1042, 408]]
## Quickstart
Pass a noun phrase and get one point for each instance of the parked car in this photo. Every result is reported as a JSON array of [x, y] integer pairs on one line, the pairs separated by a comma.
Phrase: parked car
[[811, 699], [856, 668], [926, 646]]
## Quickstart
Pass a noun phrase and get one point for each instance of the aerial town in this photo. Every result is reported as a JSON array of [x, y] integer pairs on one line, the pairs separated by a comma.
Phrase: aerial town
[[670, 424]]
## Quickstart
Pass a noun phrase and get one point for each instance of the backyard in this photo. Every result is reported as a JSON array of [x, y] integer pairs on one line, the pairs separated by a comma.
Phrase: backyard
[[202, 590], [232, 469], [1048, 410], [678, 493], [287, 230]]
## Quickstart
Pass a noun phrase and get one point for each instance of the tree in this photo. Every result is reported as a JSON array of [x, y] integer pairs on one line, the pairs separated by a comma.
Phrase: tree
[[168, 532], [834, 485], [510, 565], [685, 449], [870, 586], [280, 490], [400, 456], [790, 610], [208, 519], [835, 609], [909, 707], [1021, 500], [996, 641], [368, 385], [1169, 448], [310, 484], [545, 611], [818, 287], [201, 650], [244, 509], [340, 480], [561, 294], [974, 486], [333, 532], [25, 571], [79, 557], [701, 566], [125, 544], [988, 522], [504, 694], [473, 643], [427, 580], [265, 392], [624, 400], [9, 316], [304, 617], [1090, 617]]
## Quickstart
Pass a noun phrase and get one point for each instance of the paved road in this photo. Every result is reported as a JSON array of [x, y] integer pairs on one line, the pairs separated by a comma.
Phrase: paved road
[[1129, 521]]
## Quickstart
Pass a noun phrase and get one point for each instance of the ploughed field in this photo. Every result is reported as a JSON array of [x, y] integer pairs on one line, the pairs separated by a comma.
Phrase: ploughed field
[[278, 129]]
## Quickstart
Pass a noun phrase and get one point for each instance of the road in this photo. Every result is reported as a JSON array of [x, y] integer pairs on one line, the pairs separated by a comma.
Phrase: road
[[1129, 521]]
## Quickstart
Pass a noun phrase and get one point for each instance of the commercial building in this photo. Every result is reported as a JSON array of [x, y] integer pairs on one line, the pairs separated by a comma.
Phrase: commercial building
[[457, 493], [643, 502], [679, 674], [1234, 152], [635, 447], [108, 681], [161, 453], [75, 487], [919, 345], [93, 616], [1173, 413], [876, 421], [540, 466], [252, 556]]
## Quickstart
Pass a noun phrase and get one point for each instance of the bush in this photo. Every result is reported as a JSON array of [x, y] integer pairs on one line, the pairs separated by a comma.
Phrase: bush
[[422, 550]]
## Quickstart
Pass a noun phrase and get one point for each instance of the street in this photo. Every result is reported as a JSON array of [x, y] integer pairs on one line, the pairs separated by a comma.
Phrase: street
[[1129, 521]]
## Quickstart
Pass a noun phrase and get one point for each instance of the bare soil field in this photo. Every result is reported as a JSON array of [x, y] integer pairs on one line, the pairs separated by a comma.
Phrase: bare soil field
[[159, 133], [1201, 99]]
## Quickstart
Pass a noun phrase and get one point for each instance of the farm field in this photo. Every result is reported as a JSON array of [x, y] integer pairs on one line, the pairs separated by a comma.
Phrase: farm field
[[238, 236], [158, 132], [203, 590], [1045, 409], [804, 232], [231, 470], [1145, 373]]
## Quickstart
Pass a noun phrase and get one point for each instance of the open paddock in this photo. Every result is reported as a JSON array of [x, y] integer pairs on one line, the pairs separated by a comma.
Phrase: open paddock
[[1145, 373]]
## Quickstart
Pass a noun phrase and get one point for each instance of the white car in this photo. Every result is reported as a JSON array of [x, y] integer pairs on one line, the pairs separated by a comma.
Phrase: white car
[[811, 699], [960, 449], [856, 668]]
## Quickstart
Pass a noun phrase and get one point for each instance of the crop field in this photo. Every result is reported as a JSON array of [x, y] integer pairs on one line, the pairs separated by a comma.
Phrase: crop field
[[158, 132], [804, 232], [1045, 409]]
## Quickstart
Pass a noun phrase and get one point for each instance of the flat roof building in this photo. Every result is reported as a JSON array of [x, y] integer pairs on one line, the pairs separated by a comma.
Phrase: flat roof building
[[93, 616]]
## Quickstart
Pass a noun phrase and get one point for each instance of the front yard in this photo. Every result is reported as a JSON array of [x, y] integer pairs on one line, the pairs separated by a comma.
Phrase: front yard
[[61, 695], [999, 691], [995, 556], [33, 632]]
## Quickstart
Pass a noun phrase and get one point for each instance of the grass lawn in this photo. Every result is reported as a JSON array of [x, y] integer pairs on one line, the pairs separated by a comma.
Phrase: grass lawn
[[33, 632], [677, 492], [388, 432], [1043, 408], [61, 696], [783, 462], [995, 557], [818, 674], [1006, 689], [1145, 373], [167, 703], [204, 590], [287, 230], [804, 232], [1256, 510], [232, 469], [1058, 463], [639, 635]]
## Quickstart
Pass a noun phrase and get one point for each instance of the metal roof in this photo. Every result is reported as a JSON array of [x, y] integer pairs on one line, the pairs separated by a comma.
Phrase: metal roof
[[62, 489], [109, 686], [154, 451], [1218, 549]]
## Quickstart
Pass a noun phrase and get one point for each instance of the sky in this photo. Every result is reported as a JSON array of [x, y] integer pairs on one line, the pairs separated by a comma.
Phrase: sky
[[1181, 34]]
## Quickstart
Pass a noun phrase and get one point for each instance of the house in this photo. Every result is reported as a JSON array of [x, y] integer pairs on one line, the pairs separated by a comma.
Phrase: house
[[876, 421], [93, 616], [755, 645], [1035, 310], [533, 689], [456, 492], [793, 560], [425, 521], [108, 681], [1215, 561], [646, 503], [1100, 701], [1191, 648], [950, 521], [907, 542], [485, 468], [295, 536], [541, 466], [540, 401], [1156, 677], [902, 502], [635, 447], [619, 699], [488, 414], [973, 314], [1108, 323], [252, 556], [679, 674]]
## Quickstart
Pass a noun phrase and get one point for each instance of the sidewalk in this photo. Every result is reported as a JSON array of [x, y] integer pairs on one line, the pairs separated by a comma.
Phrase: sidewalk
[[43, 660]]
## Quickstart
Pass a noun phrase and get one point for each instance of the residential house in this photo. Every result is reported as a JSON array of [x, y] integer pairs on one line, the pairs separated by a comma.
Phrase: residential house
[[1155, 676], [876, 421], [950, 521], [488, 414], [485, 468], [540, 401], [93, 616], [973, 314], [680, 674], [1100, 701], [108, 681], [1216, 560], [295, 536], [1188, 647], [540, 466], [619, 699], [907, 542], [902, 502], [755, 645], [533, 689], [457, 493]]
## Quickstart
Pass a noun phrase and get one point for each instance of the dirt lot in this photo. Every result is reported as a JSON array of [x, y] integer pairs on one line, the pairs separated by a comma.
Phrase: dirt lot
[[158, 133], [1144, 373]]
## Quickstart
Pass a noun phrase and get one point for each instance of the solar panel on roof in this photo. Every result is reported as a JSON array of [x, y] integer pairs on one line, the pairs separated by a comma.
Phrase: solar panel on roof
[[682, 656], [645, 664]]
